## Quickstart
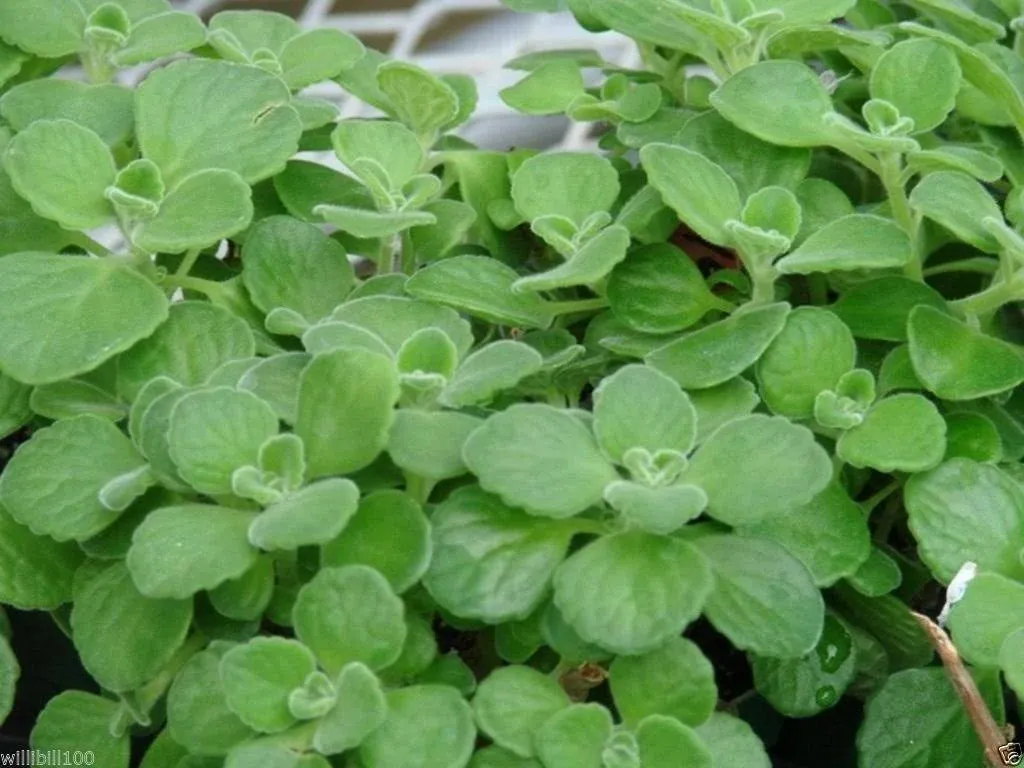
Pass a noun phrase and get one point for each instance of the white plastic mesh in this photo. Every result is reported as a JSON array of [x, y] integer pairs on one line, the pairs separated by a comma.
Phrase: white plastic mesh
[[472, 37]]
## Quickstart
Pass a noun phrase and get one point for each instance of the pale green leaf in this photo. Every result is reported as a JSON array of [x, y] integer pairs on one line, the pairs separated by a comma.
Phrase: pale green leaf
[[630, 592], [361, 709], [914, 61], [350, 614], [79, 722], [492, 562], [539, 458], [676, 680], [259, 676], [904, 433], [35, 571], [313, 515], [513, 703], [857, 241], [568, 184], [178, 551]]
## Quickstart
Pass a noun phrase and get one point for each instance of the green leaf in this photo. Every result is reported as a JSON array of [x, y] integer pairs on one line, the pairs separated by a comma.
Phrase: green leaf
[[303, 185], [432, 722], [259, 676], [492, 562], [36, 572], [880, 308], [723, 403], [675, 680], [972, 436], [317, 55], [454, 220], [665, 743], [74, 397], [857, 241], [106, 110], [429, 444], [350, 614], [428, 351], [630, 592], [382, 145], [313, 515], [482, 287], [124, 638], [79, 723], [361, 709], [806, 11], [196, 340], [548, 90], [50, 30], [918, 61], [329, 336], [245, 123], [247, 597], [656, 510], [10, 671], [958, 362], [202, 209], [287, 263], [389, 533], [720, 351], [659, 289], [814, 349], [540, 458], [588, 264], [371, 224], [178, 551], [669, 23], [574, 737], [346, 407], [33, 487], [422, 101], [917, 717], [494, 367], [961, 511], [991, 611], [15, 409], [733, 743], [160, 35], [56, 322], [198, 716], [793, 117], [960, 204], [751, 163], [275, 380], [395, 319], [806, 686], [773, 209], [640, 407], [878, 575], [701, 192], [904, 433], [568, 184], [216, 431], [513, 703], [764, 600], [746, 457], [829, 534]]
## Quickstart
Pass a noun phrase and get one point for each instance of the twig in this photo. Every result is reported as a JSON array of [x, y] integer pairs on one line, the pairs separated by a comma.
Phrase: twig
[[988, 730]]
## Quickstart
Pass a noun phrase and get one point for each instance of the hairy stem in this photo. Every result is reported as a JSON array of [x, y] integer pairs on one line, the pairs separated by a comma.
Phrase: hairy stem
[[891, 174]]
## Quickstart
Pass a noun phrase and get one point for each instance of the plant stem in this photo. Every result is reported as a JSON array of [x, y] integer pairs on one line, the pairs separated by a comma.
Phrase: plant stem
[[817, 287], [991, 298], [187, 263], [981, 265], [208, 287], [418, 487], [891, 167], [869, 504], [89, 245], [579, 305], [764, 286], [408, 253]]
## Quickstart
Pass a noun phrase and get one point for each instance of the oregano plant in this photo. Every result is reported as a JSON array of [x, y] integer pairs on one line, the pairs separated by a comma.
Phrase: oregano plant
[[680, 453]]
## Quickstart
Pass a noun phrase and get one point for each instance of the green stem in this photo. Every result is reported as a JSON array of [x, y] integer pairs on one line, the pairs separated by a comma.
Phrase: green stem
[[580, 305], [187, 263], [408, 253], [418, 487], [981, 265], [764, 286], [869, 504], [817, 287], [207, 287], [89, 245], [991, 299], [891, 167]]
